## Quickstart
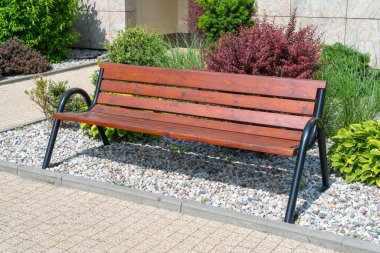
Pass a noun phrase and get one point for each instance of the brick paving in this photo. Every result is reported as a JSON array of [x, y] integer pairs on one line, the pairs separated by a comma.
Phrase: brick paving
[[40, 217], [16, 108]]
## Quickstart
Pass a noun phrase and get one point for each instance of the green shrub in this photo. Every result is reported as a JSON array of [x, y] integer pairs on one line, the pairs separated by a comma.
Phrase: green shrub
[[356, 152], [353, 91], [221, 16], [44, 25], [47, 95], [137, 46]]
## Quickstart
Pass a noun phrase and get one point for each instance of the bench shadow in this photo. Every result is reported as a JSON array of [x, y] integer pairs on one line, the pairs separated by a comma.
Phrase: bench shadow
[[223, 167]]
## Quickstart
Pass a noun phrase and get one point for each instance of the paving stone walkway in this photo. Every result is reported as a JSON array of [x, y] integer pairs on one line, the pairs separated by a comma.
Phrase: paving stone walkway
[[40, 217], [16, 108]]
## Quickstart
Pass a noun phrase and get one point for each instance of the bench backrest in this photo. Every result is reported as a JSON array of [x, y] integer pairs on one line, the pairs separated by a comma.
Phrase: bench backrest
[[246, 100]]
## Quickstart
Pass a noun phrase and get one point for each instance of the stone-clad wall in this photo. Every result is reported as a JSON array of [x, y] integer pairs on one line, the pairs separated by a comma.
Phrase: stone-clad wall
[[102, 19], [352, 22]]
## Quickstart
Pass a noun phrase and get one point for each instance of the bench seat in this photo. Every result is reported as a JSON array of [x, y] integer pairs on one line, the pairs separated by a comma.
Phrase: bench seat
[[193, 133]]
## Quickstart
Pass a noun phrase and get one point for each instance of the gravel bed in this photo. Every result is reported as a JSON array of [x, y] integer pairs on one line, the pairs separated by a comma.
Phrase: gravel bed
[[244, 181], [76, 57]]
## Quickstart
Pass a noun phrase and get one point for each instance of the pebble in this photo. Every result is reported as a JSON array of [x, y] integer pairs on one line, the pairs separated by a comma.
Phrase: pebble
[[252, 183]]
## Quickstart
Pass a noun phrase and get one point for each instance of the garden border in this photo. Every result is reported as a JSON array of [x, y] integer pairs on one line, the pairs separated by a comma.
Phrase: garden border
[[291, 231]]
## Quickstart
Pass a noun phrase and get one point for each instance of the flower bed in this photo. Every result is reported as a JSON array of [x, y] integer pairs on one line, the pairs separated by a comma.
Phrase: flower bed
[[243, 181]]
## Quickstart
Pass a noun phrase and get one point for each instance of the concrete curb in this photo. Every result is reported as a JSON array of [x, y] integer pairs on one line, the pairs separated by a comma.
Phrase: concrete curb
[[295, 232], [47, 73], [12, 127]]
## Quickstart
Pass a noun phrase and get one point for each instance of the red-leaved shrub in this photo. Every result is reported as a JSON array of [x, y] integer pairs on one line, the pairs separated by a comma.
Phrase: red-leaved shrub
[[195, 10], [268, 49], [17, 59]]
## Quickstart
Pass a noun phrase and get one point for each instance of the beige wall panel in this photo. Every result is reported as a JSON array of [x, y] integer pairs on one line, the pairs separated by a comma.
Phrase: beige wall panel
[[93, 27], [363, 9], [116, 5], [159, 15], [182, 14], [116, 22], [274, 7], [99, 5], [364, 35], [320, 8], [331, 29], [280, 20]]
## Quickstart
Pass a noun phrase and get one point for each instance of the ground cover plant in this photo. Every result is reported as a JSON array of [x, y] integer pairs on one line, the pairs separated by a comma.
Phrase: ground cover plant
[[356, 152], [353, 93], [221, 16], [48, 93], [267, 49], [44, 25], [17, 59]]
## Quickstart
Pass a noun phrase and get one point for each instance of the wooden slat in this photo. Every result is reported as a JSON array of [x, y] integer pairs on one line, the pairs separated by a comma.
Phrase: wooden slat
[[217, 112], [173, 130], [261, 85], [212, 124], [238, 100]]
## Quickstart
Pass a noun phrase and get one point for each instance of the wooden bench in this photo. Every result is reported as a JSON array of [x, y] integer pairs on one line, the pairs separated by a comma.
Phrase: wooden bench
[[257, 113]]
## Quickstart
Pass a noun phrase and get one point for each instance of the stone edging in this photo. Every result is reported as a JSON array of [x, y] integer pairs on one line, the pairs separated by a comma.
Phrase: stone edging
[[12, 127], [48, 73], [295, 232]]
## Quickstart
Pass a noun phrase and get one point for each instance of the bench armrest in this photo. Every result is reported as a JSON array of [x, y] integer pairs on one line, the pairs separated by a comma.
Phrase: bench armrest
[[309, 134], [70, 93]]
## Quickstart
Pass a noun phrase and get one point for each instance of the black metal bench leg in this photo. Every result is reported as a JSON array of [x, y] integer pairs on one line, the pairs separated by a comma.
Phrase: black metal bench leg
[[323, 159], [50, 147], [292, 201], [103, 135]]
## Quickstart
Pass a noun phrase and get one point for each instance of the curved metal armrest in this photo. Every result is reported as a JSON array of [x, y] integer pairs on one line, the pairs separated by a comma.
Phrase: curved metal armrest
[[71, 92], [309, 134]]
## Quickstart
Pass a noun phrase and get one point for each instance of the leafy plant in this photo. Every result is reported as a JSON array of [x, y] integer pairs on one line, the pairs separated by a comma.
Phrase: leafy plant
[[17, 59], [47, 95], [353, 93], [118, 134], [44, 25], [137, 46], [179, 149], [356, 152], [221, 16], [269, 50]]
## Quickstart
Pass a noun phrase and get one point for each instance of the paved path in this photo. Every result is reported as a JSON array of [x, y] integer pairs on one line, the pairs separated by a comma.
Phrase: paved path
[[40, 217], [16, 108]]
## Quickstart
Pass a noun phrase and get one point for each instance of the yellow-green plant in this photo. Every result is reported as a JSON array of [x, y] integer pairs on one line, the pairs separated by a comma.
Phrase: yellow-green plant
[[356, 152]]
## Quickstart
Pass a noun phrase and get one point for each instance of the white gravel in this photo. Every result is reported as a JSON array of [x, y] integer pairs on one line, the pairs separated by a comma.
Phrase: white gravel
[[247, 182]]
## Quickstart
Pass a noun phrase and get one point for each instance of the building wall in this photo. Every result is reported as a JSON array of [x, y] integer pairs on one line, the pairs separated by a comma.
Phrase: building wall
[[102, 19], [353, 22]]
